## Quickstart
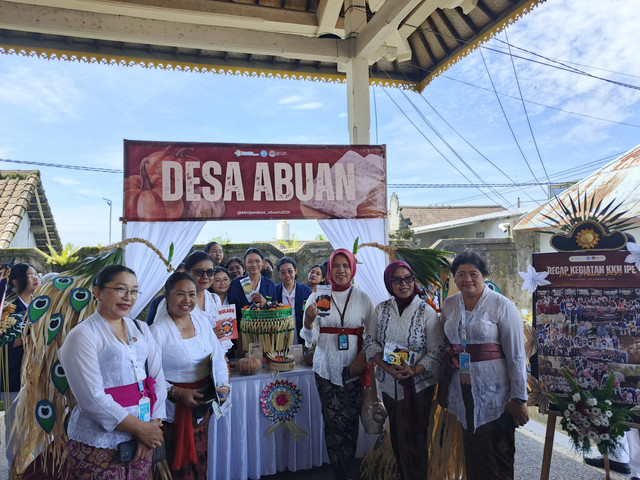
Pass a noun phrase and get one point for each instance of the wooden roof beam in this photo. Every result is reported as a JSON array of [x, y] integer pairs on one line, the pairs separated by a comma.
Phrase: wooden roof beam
[[420, 14], [203, 12], [328, 15], [57, 21], [383, 24]]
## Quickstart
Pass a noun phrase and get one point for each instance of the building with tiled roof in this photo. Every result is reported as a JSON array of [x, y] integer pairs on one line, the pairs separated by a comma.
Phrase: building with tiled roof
[[432, 223], [26, 220]]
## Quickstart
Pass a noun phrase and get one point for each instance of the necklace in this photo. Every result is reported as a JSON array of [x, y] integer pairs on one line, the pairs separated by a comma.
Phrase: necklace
[[183, 328]]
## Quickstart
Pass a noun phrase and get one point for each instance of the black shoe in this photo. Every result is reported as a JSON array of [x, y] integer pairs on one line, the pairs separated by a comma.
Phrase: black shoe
[[598, 462]]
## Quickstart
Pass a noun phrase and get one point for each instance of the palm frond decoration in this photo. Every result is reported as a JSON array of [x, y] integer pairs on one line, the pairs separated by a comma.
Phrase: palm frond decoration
[[583, 209], [538, 395], [67, 300], [430, 266], [530, 340]]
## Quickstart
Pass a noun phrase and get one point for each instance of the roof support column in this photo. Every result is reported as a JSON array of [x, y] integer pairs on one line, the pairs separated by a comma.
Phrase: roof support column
[[357, 70], [358, 101]]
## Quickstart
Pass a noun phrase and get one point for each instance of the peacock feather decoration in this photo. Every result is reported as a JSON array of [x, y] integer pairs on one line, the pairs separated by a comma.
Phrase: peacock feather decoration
[[45, 400]]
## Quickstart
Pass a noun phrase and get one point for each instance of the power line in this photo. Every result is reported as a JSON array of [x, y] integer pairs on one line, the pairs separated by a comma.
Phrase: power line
[[462, 185], [526, 114], [536, 103], [59, 165], [507, 119]]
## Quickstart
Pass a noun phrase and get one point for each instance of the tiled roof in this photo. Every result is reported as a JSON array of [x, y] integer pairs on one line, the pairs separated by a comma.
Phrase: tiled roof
[[422, 216], [21, 193]]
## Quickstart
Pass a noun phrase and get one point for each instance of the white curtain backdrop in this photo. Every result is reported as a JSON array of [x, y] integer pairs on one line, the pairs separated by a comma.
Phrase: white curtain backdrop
[[150, 270], [369, 274]]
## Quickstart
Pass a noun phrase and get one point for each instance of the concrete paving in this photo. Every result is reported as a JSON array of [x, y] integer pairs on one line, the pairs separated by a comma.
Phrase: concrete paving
[[565, 464]]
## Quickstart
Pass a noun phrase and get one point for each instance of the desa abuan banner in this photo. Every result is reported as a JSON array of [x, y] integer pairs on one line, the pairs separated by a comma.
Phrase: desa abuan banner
[[205, 181]]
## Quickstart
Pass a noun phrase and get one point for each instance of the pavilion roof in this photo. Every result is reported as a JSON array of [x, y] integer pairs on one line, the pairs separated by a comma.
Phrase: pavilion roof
[[406, 42]]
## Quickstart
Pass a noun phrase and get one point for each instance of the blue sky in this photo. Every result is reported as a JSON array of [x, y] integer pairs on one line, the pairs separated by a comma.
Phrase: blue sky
[[79, 114]]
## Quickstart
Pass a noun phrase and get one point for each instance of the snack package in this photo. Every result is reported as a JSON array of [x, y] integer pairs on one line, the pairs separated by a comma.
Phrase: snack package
[[394, 353], [323, 300], [226, 323]]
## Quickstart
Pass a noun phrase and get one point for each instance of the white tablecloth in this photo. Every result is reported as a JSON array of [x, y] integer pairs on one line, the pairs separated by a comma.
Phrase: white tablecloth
[[238, 449]]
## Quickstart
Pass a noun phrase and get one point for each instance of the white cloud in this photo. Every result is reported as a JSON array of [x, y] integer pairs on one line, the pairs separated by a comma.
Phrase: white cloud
[[309, 106], [291, 99], [66, 181]]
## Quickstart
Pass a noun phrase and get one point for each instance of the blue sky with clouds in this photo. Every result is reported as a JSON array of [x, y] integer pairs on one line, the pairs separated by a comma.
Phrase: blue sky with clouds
[[77, 113]]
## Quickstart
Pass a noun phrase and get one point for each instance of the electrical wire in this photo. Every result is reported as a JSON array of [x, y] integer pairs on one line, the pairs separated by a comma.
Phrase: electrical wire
[[59, 165], [434, 147], [507, 119], [526, 114]]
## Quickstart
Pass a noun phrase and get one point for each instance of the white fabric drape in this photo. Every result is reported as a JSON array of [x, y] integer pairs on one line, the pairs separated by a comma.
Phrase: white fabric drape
[[369, 275], [150, 270]]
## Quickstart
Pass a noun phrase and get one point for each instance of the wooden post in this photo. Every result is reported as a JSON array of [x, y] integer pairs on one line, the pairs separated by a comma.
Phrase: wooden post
[[548, 445]]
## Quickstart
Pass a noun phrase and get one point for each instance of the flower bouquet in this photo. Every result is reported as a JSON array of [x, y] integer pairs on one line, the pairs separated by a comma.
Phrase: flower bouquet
[[589, 417]]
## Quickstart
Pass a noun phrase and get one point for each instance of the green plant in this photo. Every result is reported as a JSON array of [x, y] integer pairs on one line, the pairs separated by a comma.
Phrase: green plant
[[320, 238], [223, 239], [66, 257], [590, 416], [289, 245]]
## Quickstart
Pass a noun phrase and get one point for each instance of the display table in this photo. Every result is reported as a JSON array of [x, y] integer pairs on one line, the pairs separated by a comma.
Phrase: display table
[[238, 448]]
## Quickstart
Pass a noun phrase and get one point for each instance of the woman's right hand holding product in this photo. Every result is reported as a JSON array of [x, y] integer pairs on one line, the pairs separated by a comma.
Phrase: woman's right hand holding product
[[310, 315]]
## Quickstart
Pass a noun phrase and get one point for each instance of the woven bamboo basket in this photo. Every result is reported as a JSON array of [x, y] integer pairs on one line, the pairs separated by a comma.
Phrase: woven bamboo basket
[[274, 329]]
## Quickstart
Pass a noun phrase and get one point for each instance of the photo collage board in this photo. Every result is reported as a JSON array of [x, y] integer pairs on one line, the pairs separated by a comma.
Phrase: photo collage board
[[587, 321]]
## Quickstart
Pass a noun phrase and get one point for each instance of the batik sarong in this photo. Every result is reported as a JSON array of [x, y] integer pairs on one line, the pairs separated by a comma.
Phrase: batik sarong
[[92, 463]]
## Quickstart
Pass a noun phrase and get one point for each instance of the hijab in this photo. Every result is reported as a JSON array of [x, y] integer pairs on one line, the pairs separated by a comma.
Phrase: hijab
[[352, 264], [388, 274]]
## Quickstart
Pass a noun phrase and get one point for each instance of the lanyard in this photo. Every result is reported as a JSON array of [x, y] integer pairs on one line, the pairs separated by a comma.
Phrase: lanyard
[[132, 354], [344, 310], [463, 334]]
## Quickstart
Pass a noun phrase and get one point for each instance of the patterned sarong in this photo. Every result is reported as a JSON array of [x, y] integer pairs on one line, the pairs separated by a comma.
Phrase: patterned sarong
[[489, 451], [341, 413], [92, 463], [201, 437]]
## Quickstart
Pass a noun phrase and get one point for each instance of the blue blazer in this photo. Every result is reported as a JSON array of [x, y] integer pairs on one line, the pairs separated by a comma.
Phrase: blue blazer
[[302, 293], [239, 299]]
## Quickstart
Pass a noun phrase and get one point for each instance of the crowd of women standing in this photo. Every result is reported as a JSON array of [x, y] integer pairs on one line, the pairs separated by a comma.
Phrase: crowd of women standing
[[149, 384]]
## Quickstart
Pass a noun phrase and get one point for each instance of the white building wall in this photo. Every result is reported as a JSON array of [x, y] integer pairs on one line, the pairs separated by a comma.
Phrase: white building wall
[[23, 237], [482, 229]]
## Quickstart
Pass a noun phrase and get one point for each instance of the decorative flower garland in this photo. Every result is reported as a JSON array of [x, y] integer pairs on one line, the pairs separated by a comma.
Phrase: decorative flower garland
[[280, 401], [589, 416]]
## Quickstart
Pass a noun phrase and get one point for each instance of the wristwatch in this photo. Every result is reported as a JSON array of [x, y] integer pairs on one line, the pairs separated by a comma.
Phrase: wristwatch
[[522, 402]]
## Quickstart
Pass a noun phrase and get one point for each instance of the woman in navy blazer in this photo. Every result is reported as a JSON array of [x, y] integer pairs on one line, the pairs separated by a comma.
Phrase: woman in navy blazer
[[262, 287], [288, 288]]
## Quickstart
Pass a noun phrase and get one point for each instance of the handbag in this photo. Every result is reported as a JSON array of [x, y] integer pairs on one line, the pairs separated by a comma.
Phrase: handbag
[[373, 413]]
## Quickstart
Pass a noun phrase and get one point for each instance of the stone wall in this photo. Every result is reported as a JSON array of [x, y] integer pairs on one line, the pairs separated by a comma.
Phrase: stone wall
[[505, 257]]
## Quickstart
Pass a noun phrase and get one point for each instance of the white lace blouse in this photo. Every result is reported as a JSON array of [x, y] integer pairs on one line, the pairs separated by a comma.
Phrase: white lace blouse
[[93, 359], [494, 383], [211, 304], [328, 360], [419, 329], [187, 360]]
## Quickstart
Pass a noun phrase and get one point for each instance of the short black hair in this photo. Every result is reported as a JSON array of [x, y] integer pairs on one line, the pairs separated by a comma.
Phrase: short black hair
[[174, 278], [208, 246], [284, 260], [236, 260], [221, 269], [107, 274], [253, 250], [196, 257], [19, 274], [470, 257]]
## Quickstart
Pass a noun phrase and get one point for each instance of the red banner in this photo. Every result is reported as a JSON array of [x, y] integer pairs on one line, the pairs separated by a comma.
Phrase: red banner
[[207, 181]]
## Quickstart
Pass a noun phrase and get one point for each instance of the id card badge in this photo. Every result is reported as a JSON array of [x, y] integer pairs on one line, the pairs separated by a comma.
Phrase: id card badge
[[144, 409], [343, 341], [465, 362]]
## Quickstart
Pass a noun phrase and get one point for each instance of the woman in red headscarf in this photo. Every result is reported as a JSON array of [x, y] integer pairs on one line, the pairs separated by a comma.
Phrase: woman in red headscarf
[[339, 358], [407, 385]]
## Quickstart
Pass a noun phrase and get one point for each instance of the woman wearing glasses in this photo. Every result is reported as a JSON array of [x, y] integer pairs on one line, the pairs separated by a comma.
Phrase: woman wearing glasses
[[114, 370], [200, 266], [407, 385]]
